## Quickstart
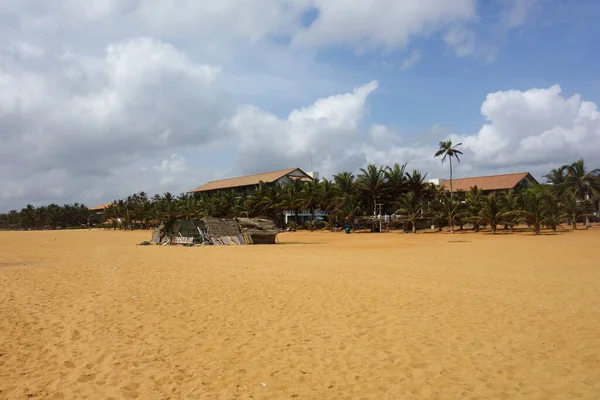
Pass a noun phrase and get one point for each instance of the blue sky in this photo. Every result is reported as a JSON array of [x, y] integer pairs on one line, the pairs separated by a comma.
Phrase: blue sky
[[104, 98]]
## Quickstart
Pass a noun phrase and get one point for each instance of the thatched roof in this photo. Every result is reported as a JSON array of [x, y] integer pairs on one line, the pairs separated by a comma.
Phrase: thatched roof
[[219, 227], [261, 230], [257, 225]]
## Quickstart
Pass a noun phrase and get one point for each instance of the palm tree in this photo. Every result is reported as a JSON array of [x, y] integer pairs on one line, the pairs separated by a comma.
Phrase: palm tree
[[312, 192], [534, 211], [449, 209], [345, 182], [491, 211], [291, 198], [581, 183], [573, 209], [328, 199], [557, 176], [395, 180], [349, 208], [371, 185], [449, 151], [510, 202], [474, 204], [411, 209]]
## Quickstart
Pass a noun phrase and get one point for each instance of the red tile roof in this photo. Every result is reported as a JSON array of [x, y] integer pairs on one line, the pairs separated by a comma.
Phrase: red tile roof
[[248, 180], [493, 182], [101, 207]]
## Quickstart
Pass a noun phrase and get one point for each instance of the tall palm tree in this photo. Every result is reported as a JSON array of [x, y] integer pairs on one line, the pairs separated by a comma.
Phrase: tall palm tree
[[328, 199], [345, 182], [312, 192], [291, 198], [395, 180], [371, 185], [449, 151]]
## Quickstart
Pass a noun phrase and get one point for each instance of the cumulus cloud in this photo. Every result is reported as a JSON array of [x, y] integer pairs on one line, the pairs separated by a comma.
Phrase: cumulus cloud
[[533, 127], [532, 130], [323, 129], [112, 110], [361, 25], [68, 117]]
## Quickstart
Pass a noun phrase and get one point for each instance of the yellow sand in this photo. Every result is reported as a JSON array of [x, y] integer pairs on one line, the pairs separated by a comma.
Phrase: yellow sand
[[87, 314]]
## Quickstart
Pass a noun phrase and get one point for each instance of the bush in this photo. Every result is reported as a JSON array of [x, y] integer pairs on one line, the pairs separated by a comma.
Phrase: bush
[[292, 225], [310, 225]]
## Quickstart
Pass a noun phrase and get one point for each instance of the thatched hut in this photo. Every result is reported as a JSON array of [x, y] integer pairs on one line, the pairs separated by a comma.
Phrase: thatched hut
[[259, 230]]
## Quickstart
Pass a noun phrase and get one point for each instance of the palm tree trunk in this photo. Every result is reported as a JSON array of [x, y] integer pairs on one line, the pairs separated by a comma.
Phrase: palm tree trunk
[[493, 229], [414, 226], [451, 192], [574, 222], [537, 229]]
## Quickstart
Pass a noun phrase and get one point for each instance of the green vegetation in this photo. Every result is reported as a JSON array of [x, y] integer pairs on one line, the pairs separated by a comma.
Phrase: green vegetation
[[348, 198]]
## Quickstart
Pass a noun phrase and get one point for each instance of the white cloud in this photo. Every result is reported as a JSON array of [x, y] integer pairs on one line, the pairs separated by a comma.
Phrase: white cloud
[[324, 129], [86, 118], [461, 40], [537, 126], [532, 130], [387, 24], [360, 25], [413, 58]]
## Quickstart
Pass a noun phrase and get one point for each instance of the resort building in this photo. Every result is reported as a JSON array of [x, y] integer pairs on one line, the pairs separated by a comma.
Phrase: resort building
[[488, 184], [99, 210], [248, 184]]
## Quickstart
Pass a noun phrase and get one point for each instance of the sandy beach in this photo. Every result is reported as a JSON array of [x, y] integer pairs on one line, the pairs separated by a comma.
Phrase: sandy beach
[[88, 314]]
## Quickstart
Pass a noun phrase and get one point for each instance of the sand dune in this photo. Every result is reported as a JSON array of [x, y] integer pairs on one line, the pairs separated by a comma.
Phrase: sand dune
[[87, 314]]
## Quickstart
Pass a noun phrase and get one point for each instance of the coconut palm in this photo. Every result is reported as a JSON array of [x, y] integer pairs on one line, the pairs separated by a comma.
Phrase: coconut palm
[[291, 198], [411, 209], [582, 184], [328, 197], [491, 211], [349, 208], [395, 180], [474, 204], [510, 202], [557, 175], [449, 209], [371, 185], [345, 182], [449, 150], [573, 209], [535, 209], [311, 195]]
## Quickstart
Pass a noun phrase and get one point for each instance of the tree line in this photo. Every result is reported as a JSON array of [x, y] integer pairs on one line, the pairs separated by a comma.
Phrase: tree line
[[349, 198]]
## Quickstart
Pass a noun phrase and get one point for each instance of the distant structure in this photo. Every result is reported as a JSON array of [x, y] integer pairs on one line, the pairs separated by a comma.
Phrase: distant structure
[[489, 184], [100, 209], [246, 185]]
